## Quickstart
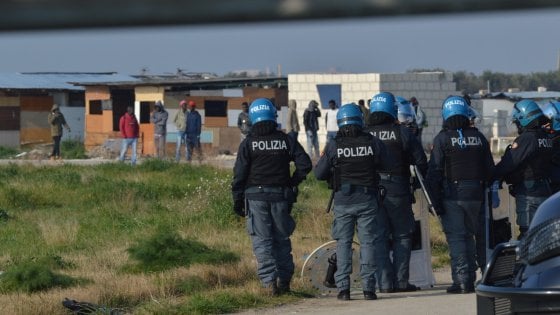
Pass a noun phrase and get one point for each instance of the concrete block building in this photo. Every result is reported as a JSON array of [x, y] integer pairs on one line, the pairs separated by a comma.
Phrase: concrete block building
[[430, 88]]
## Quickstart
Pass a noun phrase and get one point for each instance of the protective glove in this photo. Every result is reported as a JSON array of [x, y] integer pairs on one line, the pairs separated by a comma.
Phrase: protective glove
[[239, 207], [295, 193], [495, 196]]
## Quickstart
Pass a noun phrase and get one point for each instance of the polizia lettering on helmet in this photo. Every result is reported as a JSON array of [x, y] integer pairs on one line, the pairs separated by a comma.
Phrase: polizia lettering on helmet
[[455, 102], [258, 108], [379, 99]]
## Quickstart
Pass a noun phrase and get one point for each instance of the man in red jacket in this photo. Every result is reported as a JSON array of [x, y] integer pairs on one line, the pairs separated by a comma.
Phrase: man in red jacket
[[128, 126]]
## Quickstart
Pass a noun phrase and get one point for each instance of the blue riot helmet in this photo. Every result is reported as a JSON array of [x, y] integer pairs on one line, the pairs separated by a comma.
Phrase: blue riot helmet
[[349, 114], [524, 112], [405, 111], [384, 102], [552, 111], [455, 105], [262, 109]]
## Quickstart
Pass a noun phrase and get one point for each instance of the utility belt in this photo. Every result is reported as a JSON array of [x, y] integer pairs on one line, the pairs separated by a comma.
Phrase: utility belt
[[347, 189], [464, 189], [267, 193], [393, 177], [531, 187]]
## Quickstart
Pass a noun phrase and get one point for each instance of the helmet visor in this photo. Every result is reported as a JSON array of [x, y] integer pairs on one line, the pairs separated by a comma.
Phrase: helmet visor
[[406, 113]]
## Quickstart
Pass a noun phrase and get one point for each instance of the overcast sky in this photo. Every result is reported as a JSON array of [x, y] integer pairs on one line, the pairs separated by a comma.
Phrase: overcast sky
[[515, 42]]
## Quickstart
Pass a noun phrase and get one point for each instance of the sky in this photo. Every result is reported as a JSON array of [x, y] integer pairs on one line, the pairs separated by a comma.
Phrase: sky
[[510, 42]]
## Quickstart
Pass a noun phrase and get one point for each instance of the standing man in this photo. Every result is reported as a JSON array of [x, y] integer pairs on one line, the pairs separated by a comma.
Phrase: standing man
[[128, 125], [292, 121], [421, 121], [460, 168], [405, 150], [180, 122], [351, 163], [365, 111], [330, 121], [311, 122], [57, 121], [243, 121], [264, 191], [159, 119], [526, 165], [194, 128]]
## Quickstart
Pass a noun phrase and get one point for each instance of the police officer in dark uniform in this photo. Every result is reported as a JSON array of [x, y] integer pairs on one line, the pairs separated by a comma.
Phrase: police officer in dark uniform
[[351, 162], [264, 190], [552, 111], [460, 167], [405, 150], [525, 166]]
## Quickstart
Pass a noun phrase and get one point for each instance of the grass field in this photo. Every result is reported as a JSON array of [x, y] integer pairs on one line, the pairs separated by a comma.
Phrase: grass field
[[159, 238]]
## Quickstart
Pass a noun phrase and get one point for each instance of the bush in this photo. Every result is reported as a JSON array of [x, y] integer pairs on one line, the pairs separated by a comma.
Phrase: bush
[[167, 250]]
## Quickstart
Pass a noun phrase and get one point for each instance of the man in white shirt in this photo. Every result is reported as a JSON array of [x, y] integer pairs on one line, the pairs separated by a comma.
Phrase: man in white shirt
[[330, 121]]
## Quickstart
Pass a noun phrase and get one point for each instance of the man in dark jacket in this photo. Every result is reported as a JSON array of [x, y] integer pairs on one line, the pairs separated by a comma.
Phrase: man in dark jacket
[[527, 164], [405, 150], [264, 191], [159, 119], [460, 168], [311, 122], [351, 162], [194, 127]]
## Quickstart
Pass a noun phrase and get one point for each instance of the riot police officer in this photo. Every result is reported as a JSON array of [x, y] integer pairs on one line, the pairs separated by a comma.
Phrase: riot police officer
[[525, 165], [460, 166], [405, 150], [351, 162], [264, 190], [552, 111], [406, 115]]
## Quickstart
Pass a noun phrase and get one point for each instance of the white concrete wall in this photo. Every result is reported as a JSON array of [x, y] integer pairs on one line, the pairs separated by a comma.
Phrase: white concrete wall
[[429, 88]]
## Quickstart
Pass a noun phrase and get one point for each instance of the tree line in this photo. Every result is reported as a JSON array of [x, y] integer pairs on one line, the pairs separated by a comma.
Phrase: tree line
[[470, 83]]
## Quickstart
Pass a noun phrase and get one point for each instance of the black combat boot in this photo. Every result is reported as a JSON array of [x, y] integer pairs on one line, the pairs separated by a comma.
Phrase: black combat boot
[[460, 288], [344, 295], [370, 295]]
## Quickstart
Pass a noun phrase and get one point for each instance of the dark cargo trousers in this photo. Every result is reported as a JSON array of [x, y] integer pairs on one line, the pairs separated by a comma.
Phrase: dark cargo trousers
[[270, 225]]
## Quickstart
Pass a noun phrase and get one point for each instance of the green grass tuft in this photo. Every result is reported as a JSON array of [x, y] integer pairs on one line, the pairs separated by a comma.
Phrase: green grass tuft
[[220, 303], [192, 285], [6, 152], [73, 149], [38, 275], [167, 249]]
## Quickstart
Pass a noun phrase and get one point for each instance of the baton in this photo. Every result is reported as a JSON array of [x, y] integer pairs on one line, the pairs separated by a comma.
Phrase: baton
[[426, 195], [329, 205]]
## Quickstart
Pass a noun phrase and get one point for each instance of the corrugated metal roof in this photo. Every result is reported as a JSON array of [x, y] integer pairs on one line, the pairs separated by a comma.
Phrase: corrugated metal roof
[[57, 80]]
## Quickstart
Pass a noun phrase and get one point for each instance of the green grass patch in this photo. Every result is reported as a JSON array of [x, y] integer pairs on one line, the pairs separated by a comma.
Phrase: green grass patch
[[166, 250], [192, 285], [220, 303], [73, 149], [6, 152], [37, 275]]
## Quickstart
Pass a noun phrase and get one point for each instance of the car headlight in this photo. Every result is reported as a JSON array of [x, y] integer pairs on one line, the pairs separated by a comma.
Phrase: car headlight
[[541, 242]]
